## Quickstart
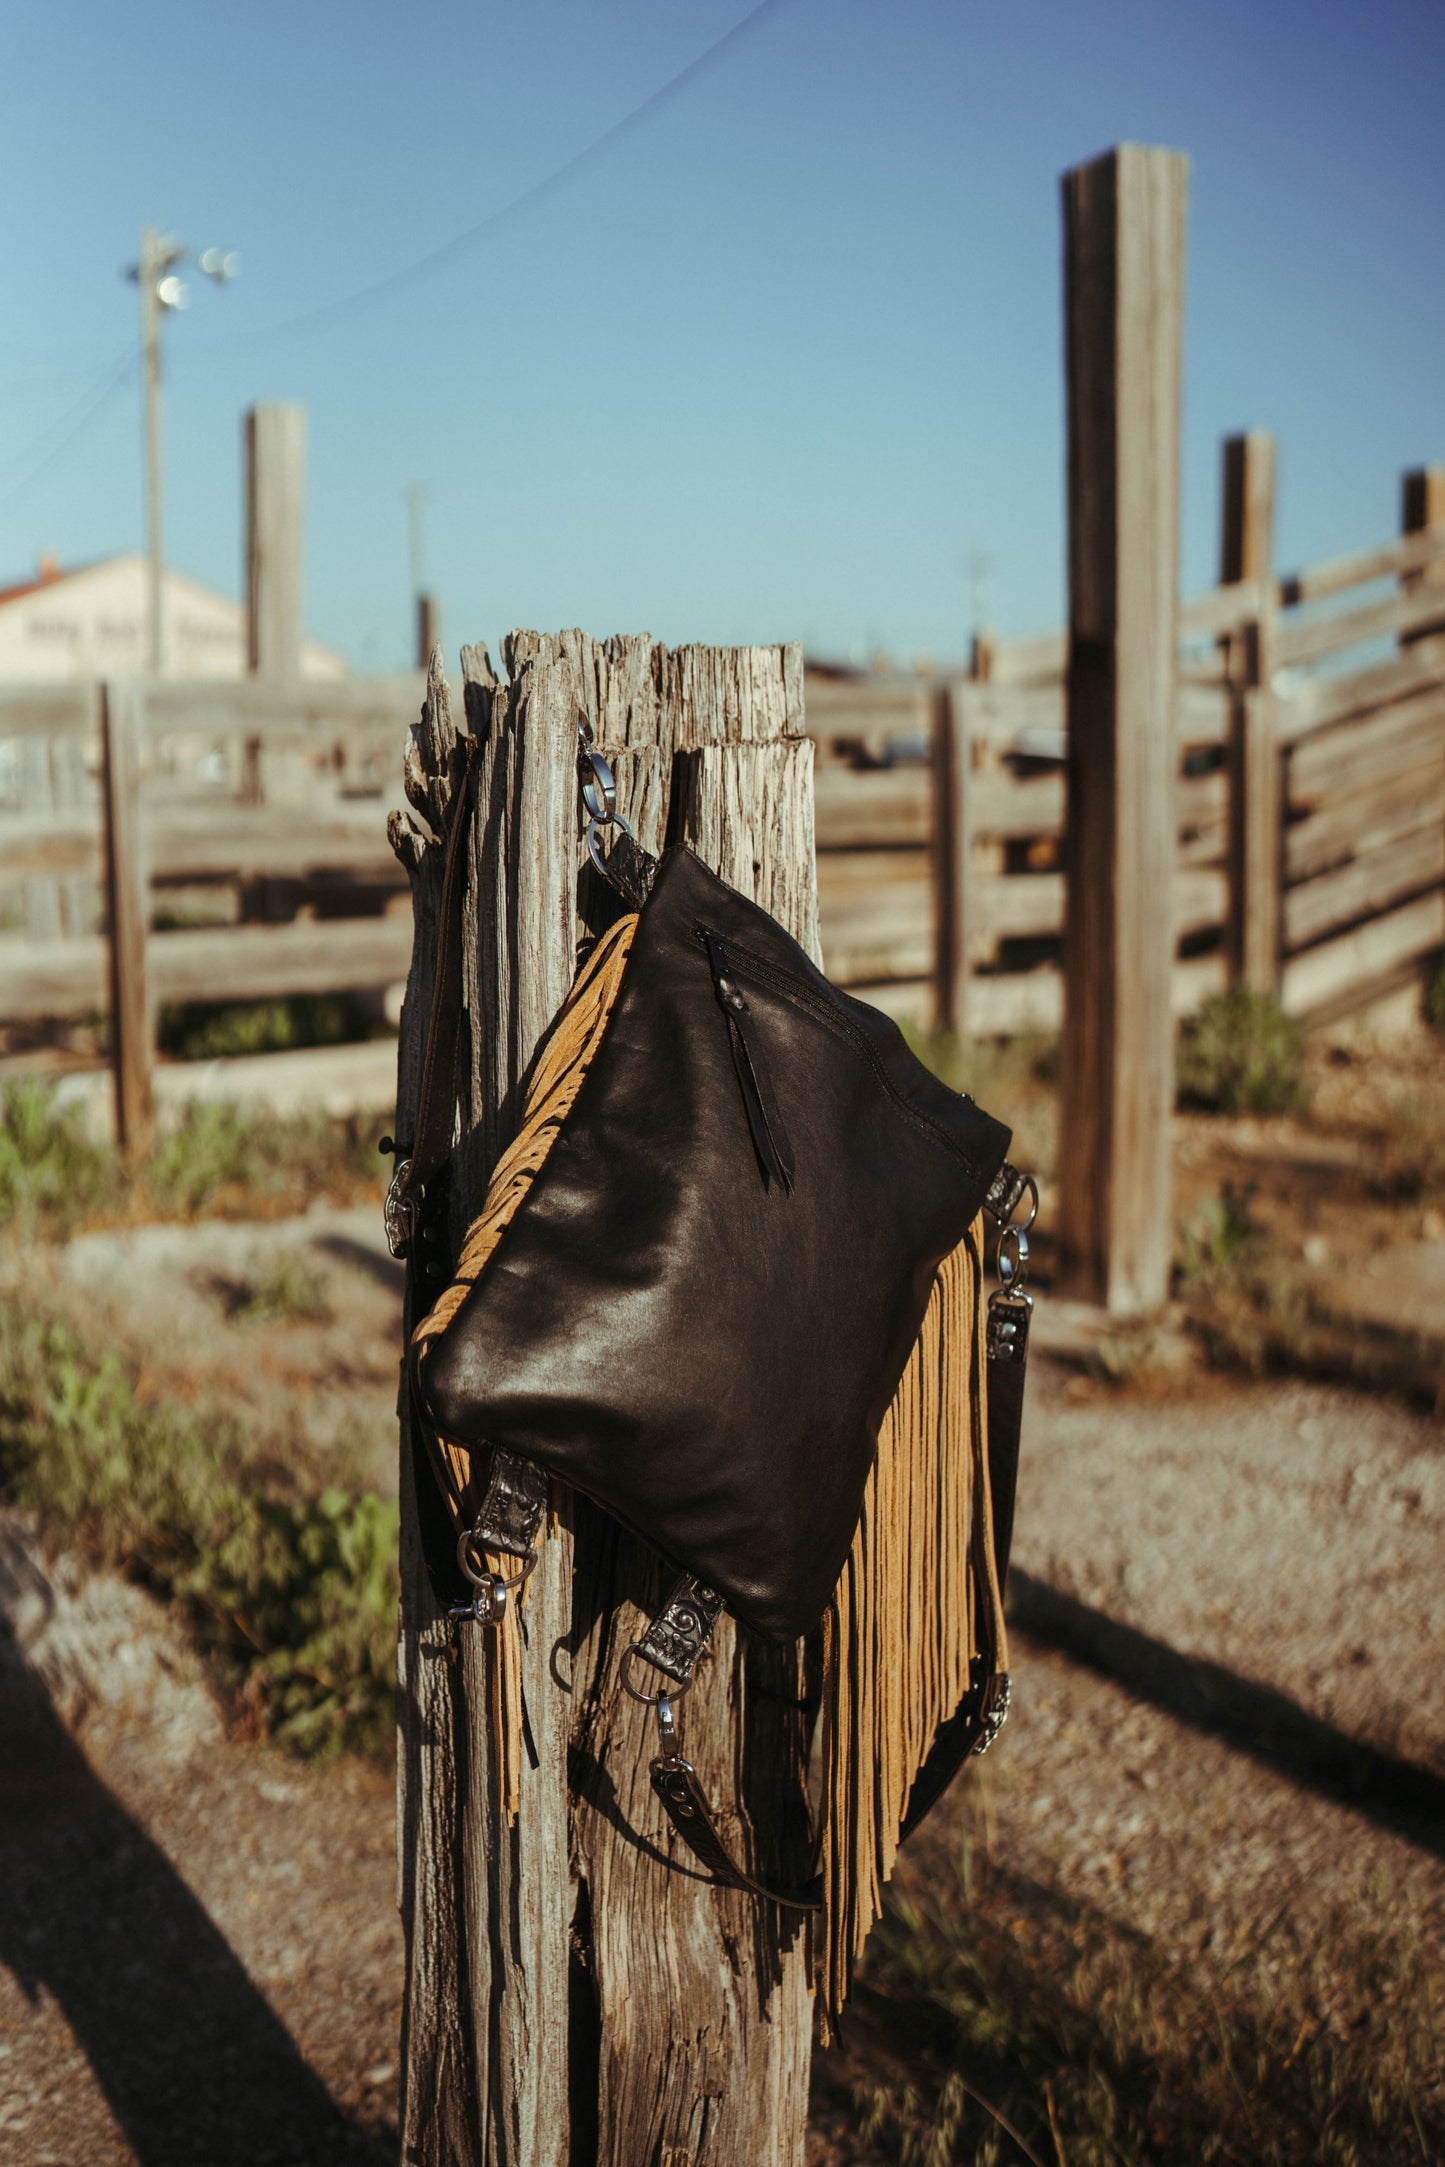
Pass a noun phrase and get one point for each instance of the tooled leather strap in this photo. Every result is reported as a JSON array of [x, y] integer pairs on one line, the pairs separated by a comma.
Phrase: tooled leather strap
[[681, 1630], [509, 1518], [675, 1782]]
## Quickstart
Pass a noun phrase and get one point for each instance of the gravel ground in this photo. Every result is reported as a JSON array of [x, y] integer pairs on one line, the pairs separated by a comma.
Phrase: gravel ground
[[199, 1955], [1290, 1532], [172, 1299]]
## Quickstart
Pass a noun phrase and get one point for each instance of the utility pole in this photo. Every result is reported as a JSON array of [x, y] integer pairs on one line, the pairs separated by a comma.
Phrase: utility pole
[[161, 289]]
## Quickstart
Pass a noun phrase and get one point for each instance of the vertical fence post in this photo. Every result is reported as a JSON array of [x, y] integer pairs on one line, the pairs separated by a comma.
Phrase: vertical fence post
[[1255, 826], [955, 859], [275, 504], [1124, 292], [1422, 507], [127, 896], [949, 731], [428, 629]]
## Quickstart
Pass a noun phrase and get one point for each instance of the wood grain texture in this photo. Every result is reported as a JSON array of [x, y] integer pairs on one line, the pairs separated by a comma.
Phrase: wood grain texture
[[1124, 252], [275, 517], [574, 1993], [701, 1996], [1342, 971], [1389, 805], [1410, 860], [127, 902]]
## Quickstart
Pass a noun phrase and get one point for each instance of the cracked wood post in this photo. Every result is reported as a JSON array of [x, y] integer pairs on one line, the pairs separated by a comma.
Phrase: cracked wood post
[[574, 1991], [1124, 309]]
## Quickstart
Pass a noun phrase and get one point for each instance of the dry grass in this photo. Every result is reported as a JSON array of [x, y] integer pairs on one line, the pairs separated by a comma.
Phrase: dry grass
[[1000, 2021]]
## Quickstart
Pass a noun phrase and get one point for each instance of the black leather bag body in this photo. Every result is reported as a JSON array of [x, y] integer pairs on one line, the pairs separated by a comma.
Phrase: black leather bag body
[[703, 1305]]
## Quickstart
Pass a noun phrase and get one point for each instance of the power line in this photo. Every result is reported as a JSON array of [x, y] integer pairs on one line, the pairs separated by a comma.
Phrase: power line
[[86, 411], [485, 229], [63, 420]]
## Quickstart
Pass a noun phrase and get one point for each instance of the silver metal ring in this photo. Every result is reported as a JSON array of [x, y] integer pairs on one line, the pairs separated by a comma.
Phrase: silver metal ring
[[599, 789], [1013, 1256], [672, 1691], [485, 1579], [594, 830], [1030, 1189]]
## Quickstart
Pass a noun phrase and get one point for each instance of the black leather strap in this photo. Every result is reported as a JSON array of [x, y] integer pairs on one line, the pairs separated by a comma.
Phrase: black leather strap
[[675, 1781], [422, 1160], [980, 1716]]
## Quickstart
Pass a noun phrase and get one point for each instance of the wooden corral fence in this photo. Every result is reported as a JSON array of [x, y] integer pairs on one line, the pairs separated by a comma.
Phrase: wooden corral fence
[[1310, 847], [1310, 801], [255, 810]]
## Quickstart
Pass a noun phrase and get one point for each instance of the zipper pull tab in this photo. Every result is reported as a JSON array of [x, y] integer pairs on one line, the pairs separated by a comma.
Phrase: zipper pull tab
[[770, 1138]]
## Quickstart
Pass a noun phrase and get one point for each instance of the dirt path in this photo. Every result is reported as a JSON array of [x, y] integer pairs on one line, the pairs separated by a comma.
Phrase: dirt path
[[199, 1955]]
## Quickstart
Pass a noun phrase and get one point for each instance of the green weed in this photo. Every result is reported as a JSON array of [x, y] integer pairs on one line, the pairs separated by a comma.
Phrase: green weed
[[1241, 1054], [208, 1031], [279, 1287], [217, 1160], [1218, 1239], [51, 1174], [292, 1597]]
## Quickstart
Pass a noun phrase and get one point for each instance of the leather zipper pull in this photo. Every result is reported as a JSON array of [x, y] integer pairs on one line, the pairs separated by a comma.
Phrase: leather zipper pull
[[770, 1138]]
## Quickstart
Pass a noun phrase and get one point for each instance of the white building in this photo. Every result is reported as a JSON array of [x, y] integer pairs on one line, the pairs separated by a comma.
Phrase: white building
[[91, 623]]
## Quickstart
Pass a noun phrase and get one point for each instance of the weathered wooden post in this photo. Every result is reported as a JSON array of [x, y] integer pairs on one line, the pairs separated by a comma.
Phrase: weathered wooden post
[[127, 917], [428, 629], [574, 1991], [1256, 840], [1422, 511], [953, 849], [1124, 289], [275, 508]]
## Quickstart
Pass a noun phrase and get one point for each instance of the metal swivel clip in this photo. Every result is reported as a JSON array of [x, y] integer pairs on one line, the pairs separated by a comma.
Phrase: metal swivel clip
[[599, 792]]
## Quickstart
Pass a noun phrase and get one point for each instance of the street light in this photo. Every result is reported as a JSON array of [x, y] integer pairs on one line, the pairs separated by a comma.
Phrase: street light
[[162, 289]]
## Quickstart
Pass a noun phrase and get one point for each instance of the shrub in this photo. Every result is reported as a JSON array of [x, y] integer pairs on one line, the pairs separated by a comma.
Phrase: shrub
[[293, 1597], [49, 1168], [1220, 1237], [1241, 1054]]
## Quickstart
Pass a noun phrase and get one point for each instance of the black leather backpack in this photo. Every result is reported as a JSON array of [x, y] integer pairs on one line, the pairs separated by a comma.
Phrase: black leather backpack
[[728, 1281]]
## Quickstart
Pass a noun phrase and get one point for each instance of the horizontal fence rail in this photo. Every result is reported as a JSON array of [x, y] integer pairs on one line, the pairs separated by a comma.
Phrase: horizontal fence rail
[[1310, 727]]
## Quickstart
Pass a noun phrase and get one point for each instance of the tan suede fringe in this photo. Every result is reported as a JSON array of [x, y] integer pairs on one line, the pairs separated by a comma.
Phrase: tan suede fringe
[[898, 1637], [555, 1083]]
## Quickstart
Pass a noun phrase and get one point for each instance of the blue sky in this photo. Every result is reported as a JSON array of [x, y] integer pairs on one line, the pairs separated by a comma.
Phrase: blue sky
[[777, 365]]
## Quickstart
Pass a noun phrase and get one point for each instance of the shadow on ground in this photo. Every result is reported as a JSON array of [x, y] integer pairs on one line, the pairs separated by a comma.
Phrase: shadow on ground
[[194, 2064]]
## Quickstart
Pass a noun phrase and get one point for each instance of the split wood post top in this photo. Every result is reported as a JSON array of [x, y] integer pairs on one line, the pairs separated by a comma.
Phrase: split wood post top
[[1124, 289], [574, 1990]]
